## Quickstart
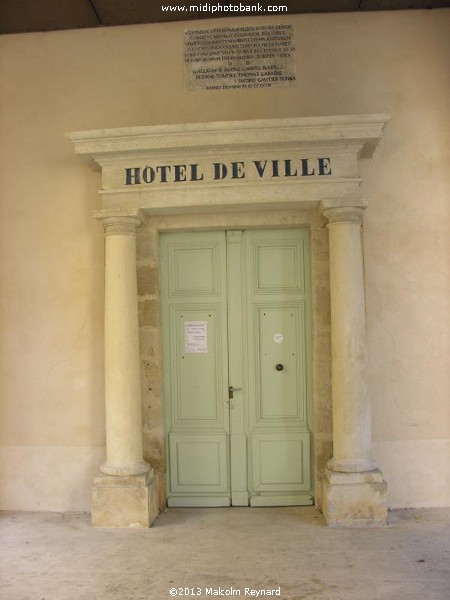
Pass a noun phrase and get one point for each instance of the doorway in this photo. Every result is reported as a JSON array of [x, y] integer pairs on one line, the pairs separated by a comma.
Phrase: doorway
[[236, 310]]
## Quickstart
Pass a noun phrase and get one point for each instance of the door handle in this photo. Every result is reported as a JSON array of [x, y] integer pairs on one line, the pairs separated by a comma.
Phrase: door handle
[[231, 390]]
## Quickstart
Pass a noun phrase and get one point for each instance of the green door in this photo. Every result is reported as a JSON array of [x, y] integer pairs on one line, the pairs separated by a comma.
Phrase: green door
[[236, 310]]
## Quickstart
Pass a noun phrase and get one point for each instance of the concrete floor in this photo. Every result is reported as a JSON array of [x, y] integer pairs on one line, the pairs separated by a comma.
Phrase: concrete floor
[[52, 556]]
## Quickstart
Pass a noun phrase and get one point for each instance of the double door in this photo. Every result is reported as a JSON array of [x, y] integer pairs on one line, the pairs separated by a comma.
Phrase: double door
[[236, 314]]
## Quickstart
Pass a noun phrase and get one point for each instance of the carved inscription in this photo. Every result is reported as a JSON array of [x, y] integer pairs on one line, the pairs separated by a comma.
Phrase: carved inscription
[[227, 171], [239, 57]]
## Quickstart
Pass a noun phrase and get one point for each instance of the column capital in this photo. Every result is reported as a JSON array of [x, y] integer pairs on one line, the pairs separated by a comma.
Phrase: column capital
[[341, 211], [120, 222]]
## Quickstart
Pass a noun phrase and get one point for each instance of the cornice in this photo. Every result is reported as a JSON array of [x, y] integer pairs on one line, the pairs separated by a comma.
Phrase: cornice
[[361, 133]]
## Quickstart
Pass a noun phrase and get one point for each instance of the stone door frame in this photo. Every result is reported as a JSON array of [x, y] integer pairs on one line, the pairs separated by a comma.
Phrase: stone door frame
[[306, 169]]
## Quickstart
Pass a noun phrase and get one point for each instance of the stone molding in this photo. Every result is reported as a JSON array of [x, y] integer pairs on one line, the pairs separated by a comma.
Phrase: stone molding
[[355, 466], [339, 142], [123, 471], [344, 214], [362, 132], [120, 222]]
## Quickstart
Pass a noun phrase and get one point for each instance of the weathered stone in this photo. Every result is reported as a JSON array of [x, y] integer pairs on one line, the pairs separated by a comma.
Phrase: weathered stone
[[322, 347], [153, 422], [146, 246], [151, 377], [319, 244], [154, 454], [124, 501], [147, 280], [149, 341], [354, 499], [320, 270], [148, 313], [323, 452], [321, 305]]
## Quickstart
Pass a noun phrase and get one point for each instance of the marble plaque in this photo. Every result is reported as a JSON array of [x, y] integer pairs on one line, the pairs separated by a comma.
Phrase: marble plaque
[[227, 58]]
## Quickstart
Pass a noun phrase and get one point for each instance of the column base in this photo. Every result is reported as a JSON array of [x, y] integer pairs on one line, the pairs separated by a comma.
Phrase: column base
[[354, 499], [124, 501]]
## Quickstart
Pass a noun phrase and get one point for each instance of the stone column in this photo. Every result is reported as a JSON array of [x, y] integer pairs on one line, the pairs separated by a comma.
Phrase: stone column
[[124, 492], [354, 490]]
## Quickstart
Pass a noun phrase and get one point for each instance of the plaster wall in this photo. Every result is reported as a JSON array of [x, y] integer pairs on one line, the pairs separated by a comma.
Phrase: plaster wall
[[51, 264]]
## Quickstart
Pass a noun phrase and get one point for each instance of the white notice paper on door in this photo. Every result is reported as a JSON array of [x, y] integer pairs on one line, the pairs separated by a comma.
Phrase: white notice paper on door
[[196, 336]]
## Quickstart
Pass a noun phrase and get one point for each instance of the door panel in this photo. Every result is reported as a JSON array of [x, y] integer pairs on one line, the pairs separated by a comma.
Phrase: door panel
[[277, 262], [193, 286], [278, 302], [277, 467], [236, 311], [198, 461], [281, 393], [197, 364], [196, 271]]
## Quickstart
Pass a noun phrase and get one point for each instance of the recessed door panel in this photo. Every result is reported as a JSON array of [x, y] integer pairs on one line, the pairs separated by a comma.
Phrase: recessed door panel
[[278, 264], [236, 338], [197, 363], [195, 271], [280, 391], [198, 461], [281, 462]]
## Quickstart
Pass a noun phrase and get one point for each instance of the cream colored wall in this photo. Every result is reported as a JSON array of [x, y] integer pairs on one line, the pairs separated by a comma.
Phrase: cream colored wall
[[52, 415]]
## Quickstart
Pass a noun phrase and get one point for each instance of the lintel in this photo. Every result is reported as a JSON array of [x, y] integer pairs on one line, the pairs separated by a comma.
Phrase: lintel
[[235, 165]]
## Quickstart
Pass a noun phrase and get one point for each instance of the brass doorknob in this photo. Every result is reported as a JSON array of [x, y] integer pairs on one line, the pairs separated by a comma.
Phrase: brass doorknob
[[279, 367]]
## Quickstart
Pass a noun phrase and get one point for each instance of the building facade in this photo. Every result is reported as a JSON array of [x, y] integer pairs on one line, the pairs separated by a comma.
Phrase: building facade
[[364, 318]]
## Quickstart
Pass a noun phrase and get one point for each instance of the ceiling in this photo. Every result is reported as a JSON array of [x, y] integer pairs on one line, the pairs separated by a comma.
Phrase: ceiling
[[23, 16]]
